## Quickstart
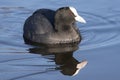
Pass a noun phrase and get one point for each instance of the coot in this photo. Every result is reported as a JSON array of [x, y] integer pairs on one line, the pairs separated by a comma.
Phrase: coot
[[46, 26]]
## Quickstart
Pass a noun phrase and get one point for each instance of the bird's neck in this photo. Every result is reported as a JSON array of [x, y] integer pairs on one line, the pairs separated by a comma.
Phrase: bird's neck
[[63, 27]]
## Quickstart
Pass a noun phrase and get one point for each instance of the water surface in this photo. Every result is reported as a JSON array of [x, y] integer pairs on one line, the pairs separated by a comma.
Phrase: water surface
[[100, 45]]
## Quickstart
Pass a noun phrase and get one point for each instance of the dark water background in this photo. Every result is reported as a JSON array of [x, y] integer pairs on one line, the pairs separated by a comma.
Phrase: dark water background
[[100, 45]]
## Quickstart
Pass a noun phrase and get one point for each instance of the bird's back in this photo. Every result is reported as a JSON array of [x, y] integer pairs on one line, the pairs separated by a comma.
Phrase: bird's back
[[41, 22], [49, 14]]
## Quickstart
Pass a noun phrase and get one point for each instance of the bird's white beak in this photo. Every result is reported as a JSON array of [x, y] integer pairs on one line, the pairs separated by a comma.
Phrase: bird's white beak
[[80, 19], [77, 17]]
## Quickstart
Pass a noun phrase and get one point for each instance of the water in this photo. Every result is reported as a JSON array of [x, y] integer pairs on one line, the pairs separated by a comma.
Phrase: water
[[100, 45]]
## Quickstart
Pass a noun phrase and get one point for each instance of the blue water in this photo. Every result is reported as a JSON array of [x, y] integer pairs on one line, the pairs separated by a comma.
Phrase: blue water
[[100, 45]]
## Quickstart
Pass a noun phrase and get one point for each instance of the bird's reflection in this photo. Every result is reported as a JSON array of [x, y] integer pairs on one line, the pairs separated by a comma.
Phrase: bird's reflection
[[63, 56]]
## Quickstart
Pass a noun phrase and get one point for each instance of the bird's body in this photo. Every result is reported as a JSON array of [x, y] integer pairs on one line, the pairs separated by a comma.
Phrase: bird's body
[[47, 26]]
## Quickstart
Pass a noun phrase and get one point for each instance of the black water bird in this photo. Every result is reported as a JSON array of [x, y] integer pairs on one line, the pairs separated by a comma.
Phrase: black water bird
[[47, 26]]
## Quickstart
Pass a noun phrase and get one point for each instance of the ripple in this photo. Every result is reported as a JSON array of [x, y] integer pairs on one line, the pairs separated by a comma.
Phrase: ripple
[[12, 9], [97, 41], [11, 26], [100, 31]]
